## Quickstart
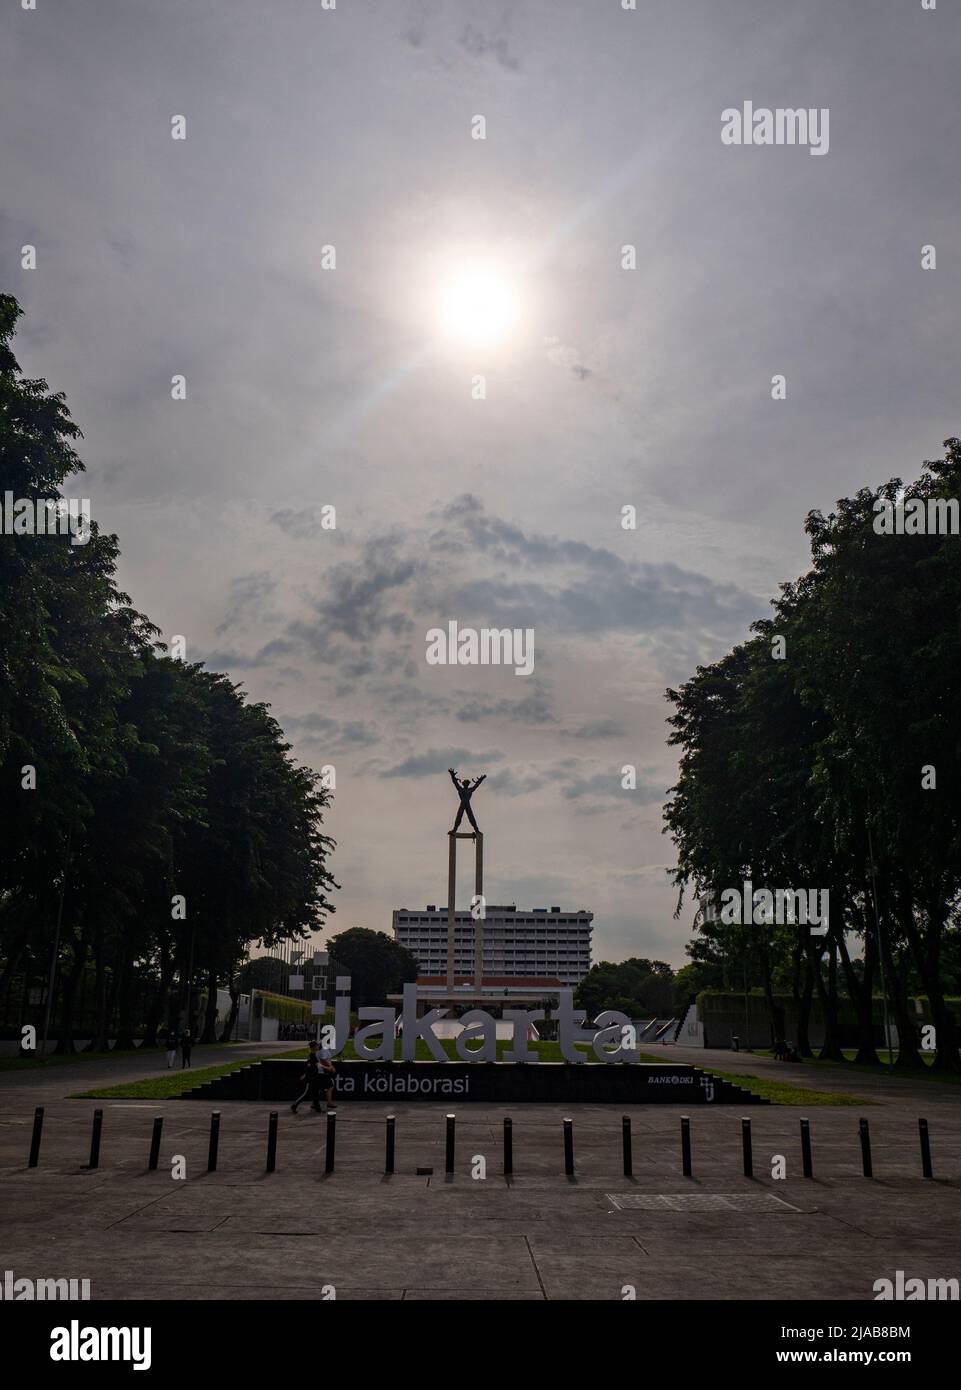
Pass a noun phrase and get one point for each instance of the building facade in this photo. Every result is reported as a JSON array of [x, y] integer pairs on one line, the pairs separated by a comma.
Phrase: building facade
[[548, 945]]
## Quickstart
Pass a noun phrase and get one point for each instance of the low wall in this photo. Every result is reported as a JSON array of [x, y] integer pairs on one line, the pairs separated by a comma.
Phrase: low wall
[[493, 1082]]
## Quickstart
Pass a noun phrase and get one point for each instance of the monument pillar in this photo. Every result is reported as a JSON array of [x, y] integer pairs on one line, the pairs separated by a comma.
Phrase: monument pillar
[[479, 922], [451, 895], [465, 789], [453, 836]]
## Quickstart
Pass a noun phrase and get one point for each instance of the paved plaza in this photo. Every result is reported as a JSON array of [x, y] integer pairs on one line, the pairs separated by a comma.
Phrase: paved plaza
[[242, 1233]]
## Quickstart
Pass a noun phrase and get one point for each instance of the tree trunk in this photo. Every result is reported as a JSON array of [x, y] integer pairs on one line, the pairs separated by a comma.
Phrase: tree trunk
[[804, 1012], [861, 993], [927, 956], [123, 995], [98, 1042], [775, 1010], [209, 1034], [908, 1055], [158, 1005], [67, 992], [831, 1047], [234, 987]]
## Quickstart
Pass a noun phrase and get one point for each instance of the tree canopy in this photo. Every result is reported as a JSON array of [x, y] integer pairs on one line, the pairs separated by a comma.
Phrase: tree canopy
[[824, 752], [376, 963], [147, 805]]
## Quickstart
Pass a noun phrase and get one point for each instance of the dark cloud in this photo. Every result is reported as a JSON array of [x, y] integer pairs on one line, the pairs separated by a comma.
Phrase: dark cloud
[[358, 596], [248, 593], [479, 45], [436, 761], [606, 786], [531, 708], [315, 727], [597, 728], [227, 659], [301, 523], [562, 585]]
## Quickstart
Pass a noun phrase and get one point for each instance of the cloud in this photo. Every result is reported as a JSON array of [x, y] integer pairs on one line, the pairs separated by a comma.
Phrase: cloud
[[318, 728], [597, 728], [606, 786], [478, 45], [435, 761], [516, 578], [358, 595], [302, 524], [247, 592], [531, 708], [227, 659]]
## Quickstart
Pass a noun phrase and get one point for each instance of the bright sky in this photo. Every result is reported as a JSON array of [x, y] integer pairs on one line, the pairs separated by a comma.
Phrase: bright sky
[[458, 257]]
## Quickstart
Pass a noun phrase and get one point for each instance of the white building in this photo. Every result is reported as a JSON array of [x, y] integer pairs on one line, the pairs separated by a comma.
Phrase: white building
[[550, 945]]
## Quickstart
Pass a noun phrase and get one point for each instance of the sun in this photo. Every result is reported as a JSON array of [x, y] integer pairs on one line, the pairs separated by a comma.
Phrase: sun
[[477, 306]]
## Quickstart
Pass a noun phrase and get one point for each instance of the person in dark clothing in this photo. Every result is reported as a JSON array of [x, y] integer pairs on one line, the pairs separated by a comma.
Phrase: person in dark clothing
[[186, 1046], [170, 1043], [328, 1078], [312, 1077]]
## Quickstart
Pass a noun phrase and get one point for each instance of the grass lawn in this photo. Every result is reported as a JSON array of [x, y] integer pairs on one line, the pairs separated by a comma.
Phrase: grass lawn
[[170, 1084], [785, 1093], [65, 1059], [922, 1073]]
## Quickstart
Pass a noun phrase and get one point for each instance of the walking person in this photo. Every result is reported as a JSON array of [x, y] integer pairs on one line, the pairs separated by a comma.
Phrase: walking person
[[328, 1078], [186, 1046], [312, 1077], [170, 1042]]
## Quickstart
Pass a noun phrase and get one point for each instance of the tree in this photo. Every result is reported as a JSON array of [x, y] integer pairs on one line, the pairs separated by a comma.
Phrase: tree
[[816, 769], [376, 963], [152, 819], [637, 987]]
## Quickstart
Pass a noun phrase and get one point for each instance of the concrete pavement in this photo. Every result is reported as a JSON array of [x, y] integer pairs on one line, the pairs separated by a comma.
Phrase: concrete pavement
[[243, 1234]]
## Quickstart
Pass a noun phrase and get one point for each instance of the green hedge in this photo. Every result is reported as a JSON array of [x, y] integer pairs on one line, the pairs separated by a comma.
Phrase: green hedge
[[713, 1003], [287, 1010]]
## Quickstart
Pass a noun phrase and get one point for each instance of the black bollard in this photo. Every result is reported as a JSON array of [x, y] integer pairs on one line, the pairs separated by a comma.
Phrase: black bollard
[[806, 1164], [926, 1168], [686, 1146], [95, 1139], [569, 1148], [449, 1146], [35, 1137], [389, 1159], [746, 1148], [272, 1142], [331, 1144], [626, 1145], [508, 1148], [214, 1141], [866, 1148], [154, 1158]]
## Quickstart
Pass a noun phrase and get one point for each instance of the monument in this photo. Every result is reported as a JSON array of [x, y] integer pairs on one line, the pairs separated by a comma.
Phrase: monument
[[465, 790]]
